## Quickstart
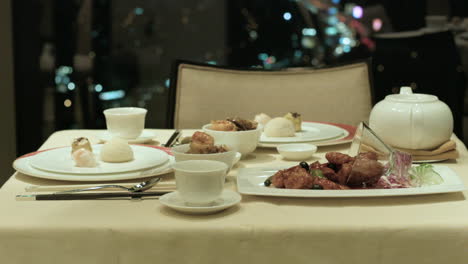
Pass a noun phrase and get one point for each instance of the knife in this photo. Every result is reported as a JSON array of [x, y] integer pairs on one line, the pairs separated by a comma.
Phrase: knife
[[87, 196]]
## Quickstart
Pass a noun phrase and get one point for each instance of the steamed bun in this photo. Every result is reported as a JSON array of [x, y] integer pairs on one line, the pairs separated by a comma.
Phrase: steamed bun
[[262, 119], [116, 150], [279, 127]]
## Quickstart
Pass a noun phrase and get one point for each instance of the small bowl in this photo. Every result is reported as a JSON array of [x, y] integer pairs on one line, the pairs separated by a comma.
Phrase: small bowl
[[300, 151], [228, 157], [244, 142]]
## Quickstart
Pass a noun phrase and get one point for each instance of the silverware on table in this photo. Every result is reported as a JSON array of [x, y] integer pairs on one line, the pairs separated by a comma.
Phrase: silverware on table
[[87, 196], [139, 187], [173, 139], [161, 186]]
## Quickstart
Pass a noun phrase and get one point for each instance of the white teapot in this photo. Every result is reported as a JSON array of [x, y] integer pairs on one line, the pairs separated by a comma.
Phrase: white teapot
[[412, 121]]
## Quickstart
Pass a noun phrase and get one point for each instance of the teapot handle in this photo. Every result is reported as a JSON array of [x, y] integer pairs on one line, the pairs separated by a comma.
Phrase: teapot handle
[[406, 90]]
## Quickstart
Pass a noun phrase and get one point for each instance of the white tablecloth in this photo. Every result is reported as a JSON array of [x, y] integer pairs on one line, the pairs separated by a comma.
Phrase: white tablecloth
[[414, 229]]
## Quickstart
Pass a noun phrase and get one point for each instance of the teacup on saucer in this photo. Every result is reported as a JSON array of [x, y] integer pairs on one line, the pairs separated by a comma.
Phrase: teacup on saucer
[[227, 199], [145, 137], [125, 122]]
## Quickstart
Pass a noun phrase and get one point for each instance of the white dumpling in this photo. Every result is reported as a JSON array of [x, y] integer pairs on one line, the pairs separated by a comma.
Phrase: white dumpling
[[84, 158], [280, 127], [116, 150], [262, 119]]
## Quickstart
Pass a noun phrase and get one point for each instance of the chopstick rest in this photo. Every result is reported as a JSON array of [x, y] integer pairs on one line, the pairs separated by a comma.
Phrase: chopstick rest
[[87, 196]]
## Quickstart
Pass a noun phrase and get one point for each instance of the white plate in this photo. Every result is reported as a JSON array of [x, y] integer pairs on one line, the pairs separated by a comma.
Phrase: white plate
[[228, 198], [60, 161], [250, 181], [145, 137], [310, 132], [336, 141], [22, 165]]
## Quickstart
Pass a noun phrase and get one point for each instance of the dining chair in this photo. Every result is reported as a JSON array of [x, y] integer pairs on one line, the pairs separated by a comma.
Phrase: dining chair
[[201, 92], [427, 61]]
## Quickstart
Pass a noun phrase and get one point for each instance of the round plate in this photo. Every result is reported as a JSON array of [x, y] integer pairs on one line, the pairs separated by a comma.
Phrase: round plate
[[22, 166], [346, 137], [310, 132], [60, 161], [145, 137], [228, 198]]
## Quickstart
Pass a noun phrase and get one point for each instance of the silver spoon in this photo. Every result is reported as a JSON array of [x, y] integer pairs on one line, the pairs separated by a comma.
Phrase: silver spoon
[[140, 187]]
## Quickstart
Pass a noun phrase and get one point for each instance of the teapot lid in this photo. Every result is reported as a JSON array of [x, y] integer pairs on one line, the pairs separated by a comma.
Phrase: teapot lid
[[406, 95]]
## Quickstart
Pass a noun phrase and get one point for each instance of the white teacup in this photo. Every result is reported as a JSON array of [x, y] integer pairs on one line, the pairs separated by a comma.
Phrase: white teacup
[[200, 182], [125, 122]]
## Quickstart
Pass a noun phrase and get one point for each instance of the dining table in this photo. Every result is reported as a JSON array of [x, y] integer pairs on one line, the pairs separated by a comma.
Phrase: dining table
[[261, 229]]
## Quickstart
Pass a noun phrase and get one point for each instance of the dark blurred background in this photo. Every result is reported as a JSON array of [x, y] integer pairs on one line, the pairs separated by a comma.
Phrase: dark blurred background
[[72, 59]]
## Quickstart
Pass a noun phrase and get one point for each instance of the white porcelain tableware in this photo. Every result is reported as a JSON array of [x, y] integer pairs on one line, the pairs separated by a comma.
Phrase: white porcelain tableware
[[22, 165], [125, 122], [251, 181], [200, 182], [346, 137], [60, 161], [311, 131], [145, 137], [227, 199], [412, 121], [244, 142], [229, 157], [300, 151]]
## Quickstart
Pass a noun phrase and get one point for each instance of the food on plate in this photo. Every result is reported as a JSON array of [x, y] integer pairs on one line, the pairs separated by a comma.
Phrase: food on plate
[[343, 172], [280, 127], [296, 119], [233, 124], [425, 174], [203, 143], [340, 173], [81, 143], [262, 119], [116, 150], [84, 158]]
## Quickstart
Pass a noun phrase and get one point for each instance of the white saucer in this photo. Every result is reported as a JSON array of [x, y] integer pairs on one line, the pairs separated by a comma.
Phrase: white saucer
[[228, 198], [145, 137]]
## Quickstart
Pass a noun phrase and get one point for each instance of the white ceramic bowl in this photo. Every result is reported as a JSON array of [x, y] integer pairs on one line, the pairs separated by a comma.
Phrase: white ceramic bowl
[[229, 157], [301, 151], [244, 142]]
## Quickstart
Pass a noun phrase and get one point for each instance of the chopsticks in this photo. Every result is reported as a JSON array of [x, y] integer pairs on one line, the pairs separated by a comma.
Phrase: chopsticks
[[173, 138], [161, 186], [87, 196]]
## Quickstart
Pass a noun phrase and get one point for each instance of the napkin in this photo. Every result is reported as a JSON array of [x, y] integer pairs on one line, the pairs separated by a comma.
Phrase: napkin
[[445, 151]]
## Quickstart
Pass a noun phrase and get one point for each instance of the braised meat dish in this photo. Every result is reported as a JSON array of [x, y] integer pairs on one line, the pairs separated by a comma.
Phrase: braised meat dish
[[203, 143], [341, 172]]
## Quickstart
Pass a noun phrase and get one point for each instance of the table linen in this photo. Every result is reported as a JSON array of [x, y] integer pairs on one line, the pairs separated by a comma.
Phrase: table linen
[[413, 229]]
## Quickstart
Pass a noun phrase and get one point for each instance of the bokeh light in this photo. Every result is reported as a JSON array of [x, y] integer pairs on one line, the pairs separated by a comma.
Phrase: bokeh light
[[357, 12]]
